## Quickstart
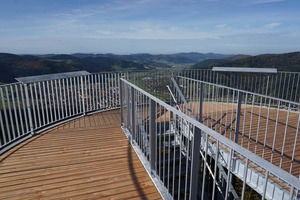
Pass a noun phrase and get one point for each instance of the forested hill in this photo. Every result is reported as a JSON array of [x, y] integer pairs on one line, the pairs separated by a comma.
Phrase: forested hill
[[283, 62], [12, 66]]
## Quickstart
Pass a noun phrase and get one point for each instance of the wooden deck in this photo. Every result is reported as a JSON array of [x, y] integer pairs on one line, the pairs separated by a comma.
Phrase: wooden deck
[[262, 131], [88, 158]]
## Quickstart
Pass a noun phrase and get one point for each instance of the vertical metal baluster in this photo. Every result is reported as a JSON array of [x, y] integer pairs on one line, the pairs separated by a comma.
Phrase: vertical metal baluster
[[65, 104], [46, 103], [6, 137], [292, 192], [51, 110], [258, 125], [24, 102], [275, 131], [250, 123], [187, 160], [215, 170], [89, 96], [204, 166], [110, 90], [292, 87], [102, 92], [17, 133], [82, 95], [114, 90], [245, 178], [296, 91], [29, 108], [22, 131], [78, 95], [10, 114], [106, 92], [266, 128], [284, 86], [42, 104], [212, 106], [121, 100], [226, 121], [222, 104], [195, 163], [285, 134], [35, 125], [133, 131], [93, 90], [295, 144], [288, 89], [98, 91], [61, 107], [69, 90], [56, 101], [3, 139], [229, 174], [279, 84], [164, 147], [265, 185], [238, 117], [36, 96], [244, 118], [180, 150], [232, 115], [174, 154]]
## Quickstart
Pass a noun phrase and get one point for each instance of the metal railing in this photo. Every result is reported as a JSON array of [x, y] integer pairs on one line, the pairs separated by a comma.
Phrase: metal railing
[[182, 154], [26, 109], [267, 126], [284, 85]]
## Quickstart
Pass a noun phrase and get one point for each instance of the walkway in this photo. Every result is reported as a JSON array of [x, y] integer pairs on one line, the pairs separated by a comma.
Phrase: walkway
[[87, 158]]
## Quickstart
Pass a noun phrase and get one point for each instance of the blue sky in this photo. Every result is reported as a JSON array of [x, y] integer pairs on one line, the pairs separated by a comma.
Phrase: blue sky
[[149, 26]]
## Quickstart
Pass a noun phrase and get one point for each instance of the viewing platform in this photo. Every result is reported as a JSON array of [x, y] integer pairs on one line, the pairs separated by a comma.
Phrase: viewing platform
[[191, 134], [87, 158]]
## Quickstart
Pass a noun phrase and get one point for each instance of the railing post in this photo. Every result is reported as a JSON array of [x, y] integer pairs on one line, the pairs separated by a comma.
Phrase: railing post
[[152, 133], [121, 100], [133, 115], [201, 102], [82, 95], [195, 163], [128, 89], [238, 117], [29, 109]]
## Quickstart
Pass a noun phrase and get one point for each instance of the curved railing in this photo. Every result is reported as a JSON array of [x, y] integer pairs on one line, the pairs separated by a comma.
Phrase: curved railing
[[29, 108]]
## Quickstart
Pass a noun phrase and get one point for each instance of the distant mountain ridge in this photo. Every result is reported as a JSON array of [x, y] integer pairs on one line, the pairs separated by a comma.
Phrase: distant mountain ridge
[[161, 60], [12, 66], [282, 62]]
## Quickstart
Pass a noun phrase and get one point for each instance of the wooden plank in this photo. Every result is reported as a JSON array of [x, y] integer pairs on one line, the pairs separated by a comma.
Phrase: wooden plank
[[87, 158]]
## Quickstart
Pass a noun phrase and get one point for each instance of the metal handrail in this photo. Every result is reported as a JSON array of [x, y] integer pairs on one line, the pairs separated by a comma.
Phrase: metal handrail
[[236, 151], [27, 109], [220, 100]]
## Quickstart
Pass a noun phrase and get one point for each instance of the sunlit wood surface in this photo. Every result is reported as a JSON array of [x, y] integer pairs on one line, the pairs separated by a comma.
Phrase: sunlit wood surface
[[87, 158]]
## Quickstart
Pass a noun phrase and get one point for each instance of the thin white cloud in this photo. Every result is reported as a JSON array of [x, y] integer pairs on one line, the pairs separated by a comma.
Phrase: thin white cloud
[[272, 25], [222, 26], [263, 1]]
